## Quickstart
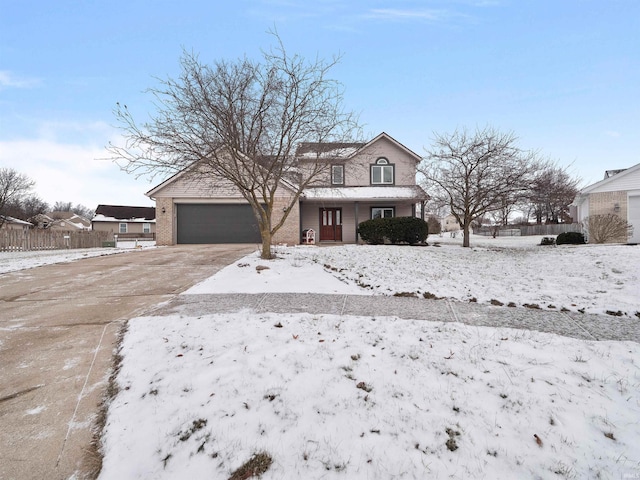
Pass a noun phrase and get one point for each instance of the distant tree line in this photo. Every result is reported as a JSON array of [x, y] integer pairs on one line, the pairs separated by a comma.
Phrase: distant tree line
[[17, 199]]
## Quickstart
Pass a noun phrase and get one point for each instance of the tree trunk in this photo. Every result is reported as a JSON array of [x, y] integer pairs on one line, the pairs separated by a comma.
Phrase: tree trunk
[[465, 234], [266, 244]]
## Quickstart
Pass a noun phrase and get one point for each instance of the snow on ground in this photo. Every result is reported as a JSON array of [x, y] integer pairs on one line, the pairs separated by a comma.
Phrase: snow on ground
[[14, 261], [366, 398], [590, 278]]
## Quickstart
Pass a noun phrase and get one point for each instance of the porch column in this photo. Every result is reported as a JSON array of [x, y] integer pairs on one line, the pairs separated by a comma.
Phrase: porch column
[[355, 212]]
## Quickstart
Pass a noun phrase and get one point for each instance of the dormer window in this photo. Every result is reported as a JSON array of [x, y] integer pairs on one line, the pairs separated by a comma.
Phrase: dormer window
[[382, 172], [337, 174]]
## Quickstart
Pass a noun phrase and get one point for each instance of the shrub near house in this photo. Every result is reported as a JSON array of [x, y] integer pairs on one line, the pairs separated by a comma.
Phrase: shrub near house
[[394, 230]]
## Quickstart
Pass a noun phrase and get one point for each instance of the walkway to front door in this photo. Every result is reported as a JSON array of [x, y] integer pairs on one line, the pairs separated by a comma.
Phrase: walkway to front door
[[331, 224]]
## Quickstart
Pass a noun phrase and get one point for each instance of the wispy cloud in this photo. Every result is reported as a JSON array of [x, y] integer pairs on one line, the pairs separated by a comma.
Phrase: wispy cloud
[[9, 80], [612, 133], [429, 15]]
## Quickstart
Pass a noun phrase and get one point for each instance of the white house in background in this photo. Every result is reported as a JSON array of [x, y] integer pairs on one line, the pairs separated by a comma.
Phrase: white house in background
[[450, 224], [617, 193], [125, 221]]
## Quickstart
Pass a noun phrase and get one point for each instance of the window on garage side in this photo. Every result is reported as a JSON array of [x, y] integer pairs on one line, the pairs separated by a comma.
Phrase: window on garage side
[[122, 228], [146, 228], [382, 212]]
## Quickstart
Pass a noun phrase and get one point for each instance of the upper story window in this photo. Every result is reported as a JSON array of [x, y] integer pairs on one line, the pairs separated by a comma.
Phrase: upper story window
[[337, 174], [123, 228], [382, 172]]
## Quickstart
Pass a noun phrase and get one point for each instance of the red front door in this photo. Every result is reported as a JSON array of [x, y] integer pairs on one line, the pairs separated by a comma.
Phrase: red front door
[[331, 224]]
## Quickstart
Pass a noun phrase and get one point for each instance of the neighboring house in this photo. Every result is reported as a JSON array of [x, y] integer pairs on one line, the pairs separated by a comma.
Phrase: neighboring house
[[618, 193], [450, 224], [362, 181], [10, 223], [125, 222], [62, 221]]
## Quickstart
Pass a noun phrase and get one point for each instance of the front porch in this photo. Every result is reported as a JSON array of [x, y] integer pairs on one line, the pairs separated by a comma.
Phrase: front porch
[[336, 222]]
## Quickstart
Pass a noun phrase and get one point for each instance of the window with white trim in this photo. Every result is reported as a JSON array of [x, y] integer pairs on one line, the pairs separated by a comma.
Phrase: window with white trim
[[382, 212], [337, 174], [382, 172], [122, 228], [146, 228]]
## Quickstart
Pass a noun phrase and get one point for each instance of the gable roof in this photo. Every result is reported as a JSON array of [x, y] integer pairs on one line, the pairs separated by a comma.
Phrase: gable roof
[[15, 221], [315, 150], [609, 179], [342, 150], [70, 216], [121, 212], [388, 137]]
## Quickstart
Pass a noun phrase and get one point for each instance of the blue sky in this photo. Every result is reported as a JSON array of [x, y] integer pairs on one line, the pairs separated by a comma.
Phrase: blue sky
[[563, 75]]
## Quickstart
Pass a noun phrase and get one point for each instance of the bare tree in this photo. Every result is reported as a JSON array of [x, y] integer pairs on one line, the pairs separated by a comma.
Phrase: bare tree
[[551, 192], [476, 173], [240, 121], [13, 187], [79, 209], [607, 228], [26, 208], [60, 206]]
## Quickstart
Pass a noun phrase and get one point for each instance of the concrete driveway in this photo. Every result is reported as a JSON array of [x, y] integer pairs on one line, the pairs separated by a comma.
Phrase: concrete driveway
[[58, 329]]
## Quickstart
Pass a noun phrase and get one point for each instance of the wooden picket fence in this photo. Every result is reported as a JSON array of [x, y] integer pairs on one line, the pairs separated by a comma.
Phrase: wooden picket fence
[[36, 239], [526, 230]]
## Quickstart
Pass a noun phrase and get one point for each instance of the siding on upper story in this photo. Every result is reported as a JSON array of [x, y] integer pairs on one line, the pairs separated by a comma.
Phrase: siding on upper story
[[357, 169]]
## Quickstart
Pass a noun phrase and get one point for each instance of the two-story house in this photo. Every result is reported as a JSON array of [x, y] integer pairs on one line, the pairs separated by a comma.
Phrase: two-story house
[[361, 181]]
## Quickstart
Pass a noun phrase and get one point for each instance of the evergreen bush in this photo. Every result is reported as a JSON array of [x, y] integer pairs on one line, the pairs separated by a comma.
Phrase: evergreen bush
[[570, 238], [394, 230]]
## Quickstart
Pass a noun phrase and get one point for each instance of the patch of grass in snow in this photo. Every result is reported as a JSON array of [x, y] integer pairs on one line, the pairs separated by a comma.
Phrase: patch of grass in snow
[[193, 428], [258, 464]]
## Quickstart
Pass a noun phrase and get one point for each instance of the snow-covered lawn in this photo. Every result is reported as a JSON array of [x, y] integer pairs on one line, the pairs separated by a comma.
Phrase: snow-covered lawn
[[349, 397], [589, 278], [15, 261]]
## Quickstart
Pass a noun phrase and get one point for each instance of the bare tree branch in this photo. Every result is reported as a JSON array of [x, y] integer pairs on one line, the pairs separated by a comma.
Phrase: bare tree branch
[[240, 121], [477, 173], [14, 186]]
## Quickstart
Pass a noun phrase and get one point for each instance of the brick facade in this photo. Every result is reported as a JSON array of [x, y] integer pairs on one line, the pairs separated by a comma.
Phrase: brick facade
[[289, 233], [164, 221], [605, 202]]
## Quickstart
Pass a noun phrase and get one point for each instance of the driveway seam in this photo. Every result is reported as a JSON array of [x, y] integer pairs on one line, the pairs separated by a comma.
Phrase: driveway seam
[[580, 326], [81, 395], [453, 312]]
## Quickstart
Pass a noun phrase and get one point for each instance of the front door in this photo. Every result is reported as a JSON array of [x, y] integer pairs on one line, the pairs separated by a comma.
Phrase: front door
[[331, 224]]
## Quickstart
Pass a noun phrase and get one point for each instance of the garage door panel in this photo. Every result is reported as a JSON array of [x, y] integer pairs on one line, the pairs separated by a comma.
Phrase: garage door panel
[[212, 223]]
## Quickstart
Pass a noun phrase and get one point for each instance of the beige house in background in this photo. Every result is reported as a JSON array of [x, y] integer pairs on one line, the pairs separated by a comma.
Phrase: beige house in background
[[618, 193], [126, 222], [362, 181], [62, 221], [10, 223]]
